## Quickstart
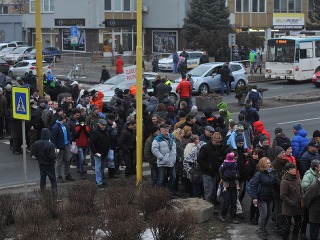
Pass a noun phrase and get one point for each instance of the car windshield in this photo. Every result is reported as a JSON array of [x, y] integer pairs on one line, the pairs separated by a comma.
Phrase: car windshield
[[8, 49], [115, 80], [18, 50], [200, 70]]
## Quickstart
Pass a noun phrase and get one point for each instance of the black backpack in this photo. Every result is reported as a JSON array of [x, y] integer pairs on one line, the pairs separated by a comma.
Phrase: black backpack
[[283, 142], [254, 96]]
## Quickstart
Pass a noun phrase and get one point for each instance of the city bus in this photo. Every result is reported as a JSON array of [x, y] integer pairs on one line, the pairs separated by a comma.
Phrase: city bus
[[293, 58]]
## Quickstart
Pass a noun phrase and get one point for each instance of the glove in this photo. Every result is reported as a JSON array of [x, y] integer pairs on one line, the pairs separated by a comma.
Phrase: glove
[[57, 150], [98, 154]]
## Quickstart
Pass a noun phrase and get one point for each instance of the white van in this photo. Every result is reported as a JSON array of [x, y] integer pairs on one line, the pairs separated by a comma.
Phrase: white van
[[165, 64], [5, 45]]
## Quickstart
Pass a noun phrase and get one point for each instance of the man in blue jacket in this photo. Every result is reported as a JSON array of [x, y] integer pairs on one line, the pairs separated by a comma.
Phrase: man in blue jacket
[[61, 140], [300, 141], [45, 153]]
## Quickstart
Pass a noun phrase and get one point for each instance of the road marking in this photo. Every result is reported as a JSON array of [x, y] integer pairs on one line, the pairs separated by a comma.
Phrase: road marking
[[303, 120]]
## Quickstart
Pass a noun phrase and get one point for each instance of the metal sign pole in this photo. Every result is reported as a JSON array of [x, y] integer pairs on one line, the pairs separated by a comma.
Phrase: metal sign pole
[[24, 150]]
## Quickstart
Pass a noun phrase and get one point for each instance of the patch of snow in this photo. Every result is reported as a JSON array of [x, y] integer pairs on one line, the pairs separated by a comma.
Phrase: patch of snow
[[147, 235]]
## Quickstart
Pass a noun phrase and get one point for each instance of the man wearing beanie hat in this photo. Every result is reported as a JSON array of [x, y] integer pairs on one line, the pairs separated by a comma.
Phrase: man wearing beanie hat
[[279, 164], [148, 155], [281, 139], [299, 141], [306, 158]]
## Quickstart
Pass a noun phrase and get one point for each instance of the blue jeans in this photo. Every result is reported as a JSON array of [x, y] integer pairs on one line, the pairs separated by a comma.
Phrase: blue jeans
[[171, 172], [174, 67], [100, 165], [265, 209], [252, 67], [48, 170], [82, 153], [222, 87], [209, 185]]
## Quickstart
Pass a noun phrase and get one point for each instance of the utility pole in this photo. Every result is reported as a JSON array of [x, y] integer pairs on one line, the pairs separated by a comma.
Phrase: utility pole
[[39, 47]]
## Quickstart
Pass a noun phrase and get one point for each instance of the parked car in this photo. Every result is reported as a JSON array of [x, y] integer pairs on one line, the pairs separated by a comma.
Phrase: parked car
[[22, 68], [48, 53], [18, 54], [165, 64], [5, 45], [4, 66], [206, 77], [18, 44], [316, 79], [6, 51], [118, 81]]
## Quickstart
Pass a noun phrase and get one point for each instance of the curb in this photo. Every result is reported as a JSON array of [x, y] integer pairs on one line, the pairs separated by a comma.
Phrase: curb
[[300, 97]]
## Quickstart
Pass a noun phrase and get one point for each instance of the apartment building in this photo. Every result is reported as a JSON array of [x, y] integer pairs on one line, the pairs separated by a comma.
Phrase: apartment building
[[110, 25]]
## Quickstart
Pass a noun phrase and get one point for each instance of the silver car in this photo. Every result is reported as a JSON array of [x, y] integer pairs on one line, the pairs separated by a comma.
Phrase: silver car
[[206, 77]]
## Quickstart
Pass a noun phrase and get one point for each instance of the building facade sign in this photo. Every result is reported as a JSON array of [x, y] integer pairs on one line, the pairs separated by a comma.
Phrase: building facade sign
[[288, 20], [120, 22], [70, 22]]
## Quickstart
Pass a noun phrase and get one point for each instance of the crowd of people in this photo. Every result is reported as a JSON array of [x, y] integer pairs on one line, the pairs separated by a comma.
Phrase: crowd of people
[[208, 156]]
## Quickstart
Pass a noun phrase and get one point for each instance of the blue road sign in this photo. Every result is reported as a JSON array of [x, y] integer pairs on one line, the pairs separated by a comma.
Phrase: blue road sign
[[74, 31], [21, 100]]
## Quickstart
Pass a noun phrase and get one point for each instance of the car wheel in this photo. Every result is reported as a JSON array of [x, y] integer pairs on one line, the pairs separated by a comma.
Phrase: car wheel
[[173, 97], [10, 74], [57, 59], [204, 88], [240, 83]]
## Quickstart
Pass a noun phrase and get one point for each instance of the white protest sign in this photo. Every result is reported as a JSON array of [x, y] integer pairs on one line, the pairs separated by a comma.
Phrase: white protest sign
[[130, 75]]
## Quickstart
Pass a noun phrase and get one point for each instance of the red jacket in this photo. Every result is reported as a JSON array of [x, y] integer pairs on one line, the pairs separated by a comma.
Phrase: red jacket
[[119, 65], [259, 128], [184, 88], [98, 101], [82, 139]]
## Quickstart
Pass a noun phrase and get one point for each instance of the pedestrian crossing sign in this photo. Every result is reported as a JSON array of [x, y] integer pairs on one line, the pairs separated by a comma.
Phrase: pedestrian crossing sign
[[21, 103]]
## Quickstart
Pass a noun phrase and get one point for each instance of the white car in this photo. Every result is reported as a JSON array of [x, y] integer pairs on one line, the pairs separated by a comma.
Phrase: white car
[[118, 81], [5, 51], [165, 64], [18, 54], [22, 68]]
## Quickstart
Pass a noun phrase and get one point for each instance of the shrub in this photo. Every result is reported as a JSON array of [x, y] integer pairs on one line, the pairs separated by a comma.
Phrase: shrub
[[170, 225], [9, 204], [48, 201], [33, 231], [118, 196], [152, 199], [32, 212]]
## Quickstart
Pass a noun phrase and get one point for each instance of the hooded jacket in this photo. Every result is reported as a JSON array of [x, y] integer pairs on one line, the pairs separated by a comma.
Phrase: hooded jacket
[[44, 149], [224, 106], [251, 114], [299, 142], [184, 88], [259, 129], [119, 65], [98, 101], [309, 178], [164, 149]]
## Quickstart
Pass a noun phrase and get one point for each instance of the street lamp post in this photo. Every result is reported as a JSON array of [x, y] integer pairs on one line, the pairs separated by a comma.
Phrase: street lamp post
[[39, 47]]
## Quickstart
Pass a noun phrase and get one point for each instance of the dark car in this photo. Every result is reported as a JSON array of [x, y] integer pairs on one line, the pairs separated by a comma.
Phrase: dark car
[[4, 66], [48, 53]]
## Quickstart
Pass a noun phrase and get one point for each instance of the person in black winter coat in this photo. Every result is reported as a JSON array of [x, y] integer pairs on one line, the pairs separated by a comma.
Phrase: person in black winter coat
[[209, 159], [99, 146], [306, 159], [105, 75], [251, 113], [162, 89], [225, 78], [155, 64], [45, 154], [251, 169], [262, 192], [127, 145]]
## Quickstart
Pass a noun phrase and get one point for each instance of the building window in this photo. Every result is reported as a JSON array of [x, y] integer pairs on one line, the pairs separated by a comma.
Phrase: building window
[[126, 5], [287, 6], [163, 41], [4, 10], [120, 5], [107, 5], [48, 5], [32, 6], [250, 6]]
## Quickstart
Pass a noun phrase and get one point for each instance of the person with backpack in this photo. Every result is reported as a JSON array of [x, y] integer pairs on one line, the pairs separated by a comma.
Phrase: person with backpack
[[254, 96], [280, 139], [261, 189]]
